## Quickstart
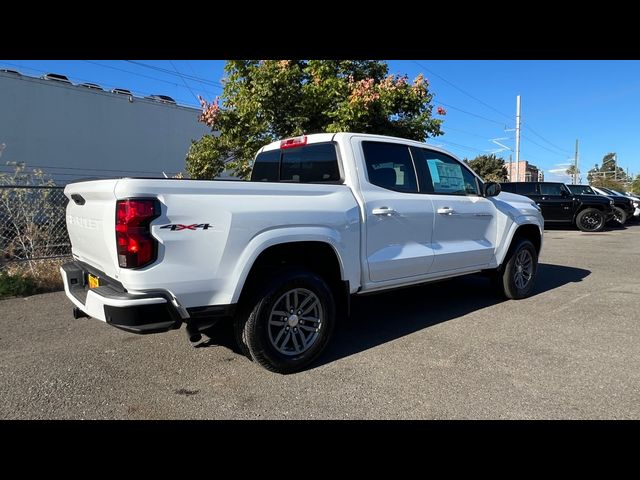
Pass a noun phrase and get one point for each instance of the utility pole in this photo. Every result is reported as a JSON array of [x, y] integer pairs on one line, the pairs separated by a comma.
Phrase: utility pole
[[510, 169], [575, 165], [518, 138]]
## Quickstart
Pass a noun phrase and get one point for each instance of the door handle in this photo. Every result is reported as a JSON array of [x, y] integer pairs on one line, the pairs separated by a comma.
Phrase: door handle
[[445, 211], [383, 211]]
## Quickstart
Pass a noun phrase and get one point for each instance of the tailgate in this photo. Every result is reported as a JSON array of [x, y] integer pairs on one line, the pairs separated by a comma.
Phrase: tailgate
[[91, 221]]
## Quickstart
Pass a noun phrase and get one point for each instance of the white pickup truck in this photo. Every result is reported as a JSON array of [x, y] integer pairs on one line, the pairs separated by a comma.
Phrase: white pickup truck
[[324, 217]]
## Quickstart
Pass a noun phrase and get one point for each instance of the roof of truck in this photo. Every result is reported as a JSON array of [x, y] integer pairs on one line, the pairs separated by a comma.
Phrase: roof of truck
[[328, 137]]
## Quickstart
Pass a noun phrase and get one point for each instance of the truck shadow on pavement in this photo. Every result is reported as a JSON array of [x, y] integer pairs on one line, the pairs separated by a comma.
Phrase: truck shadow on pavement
[[381, 318], [384, 317]]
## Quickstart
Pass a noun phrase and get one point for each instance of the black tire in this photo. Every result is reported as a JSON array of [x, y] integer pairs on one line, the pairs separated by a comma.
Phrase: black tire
[[590, 220], [506, 279], [255, 334], [619, 216]]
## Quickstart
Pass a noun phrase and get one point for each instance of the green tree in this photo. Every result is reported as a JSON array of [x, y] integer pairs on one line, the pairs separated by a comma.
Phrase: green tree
[[489, 167], [263, 101], [572, 170], [609, 174], [635, 185]]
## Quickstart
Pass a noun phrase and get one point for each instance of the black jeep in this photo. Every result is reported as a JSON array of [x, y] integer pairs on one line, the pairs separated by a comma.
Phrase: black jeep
[[589, 213]]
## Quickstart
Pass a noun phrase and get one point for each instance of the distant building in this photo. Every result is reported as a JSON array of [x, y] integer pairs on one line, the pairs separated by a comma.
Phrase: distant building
[[78, 131], [527, 172]]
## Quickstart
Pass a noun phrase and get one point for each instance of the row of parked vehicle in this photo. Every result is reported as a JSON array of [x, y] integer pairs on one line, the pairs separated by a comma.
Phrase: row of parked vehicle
[[588, 208]]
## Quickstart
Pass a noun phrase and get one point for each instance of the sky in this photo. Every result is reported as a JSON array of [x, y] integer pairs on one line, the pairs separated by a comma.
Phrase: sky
[[595, 102]]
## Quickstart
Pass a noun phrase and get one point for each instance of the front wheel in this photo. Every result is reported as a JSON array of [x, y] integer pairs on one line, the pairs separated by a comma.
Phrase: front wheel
[[517, 278], [289, 321], [590, 220], [619, 216]]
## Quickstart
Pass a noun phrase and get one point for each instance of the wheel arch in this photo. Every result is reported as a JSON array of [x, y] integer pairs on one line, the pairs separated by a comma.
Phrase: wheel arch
[[528, 231], [320, 253]]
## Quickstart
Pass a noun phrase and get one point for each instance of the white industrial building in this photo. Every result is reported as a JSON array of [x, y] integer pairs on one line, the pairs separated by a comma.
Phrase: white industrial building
[[79, 131]]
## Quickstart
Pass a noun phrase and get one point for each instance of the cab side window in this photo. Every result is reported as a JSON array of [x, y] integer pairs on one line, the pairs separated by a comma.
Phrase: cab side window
[[446, 175]]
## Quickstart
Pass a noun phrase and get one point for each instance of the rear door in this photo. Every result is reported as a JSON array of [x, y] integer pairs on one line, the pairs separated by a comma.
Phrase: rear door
[[91, 221], [464, 231], [556, 202], [398, 219]]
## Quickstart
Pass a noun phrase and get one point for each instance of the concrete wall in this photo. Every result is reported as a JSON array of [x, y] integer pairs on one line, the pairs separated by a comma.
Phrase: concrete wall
[[51, 124]]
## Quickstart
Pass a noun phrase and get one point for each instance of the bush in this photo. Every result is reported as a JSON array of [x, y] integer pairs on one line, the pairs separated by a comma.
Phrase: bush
[[17, 284], [31, 277]]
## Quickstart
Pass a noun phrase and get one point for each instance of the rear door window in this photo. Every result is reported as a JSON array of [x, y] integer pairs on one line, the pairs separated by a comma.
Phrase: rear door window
[[553, 189], [389, 165], [526, 188]]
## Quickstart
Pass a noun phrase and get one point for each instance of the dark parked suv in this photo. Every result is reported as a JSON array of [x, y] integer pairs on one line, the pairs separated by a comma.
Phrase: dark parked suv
[[587, 212]]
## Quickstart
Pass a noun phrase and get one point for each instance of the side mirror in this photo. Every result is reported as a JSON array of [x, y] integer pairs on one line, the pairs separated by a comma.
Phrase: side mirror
[[564, 193], [491, 189]]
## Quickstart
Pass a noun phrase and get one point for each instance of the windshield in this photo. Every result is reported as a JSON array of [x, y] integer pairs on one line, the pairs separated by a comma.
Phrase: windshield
[[581, 190]]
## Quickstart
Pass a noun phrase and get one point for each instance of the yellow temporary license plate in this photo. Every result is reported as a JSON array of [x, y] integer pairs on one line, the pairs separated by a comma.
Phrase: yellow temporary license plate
[[94, 282]]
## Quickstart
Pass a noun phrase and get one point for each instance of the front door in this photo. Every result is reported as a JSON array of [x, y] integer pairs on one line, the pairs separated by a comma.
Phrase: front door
[[464, 231], [398, 219]]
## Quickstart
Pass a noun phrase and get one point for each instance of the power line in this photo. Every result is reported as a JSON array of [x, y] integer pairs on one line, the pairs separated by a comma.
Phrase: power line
[[542, 146], [472, 114], [183, 80], [510, 117], [142, 75], [492, 108], [460, 145], [466, 132], [169, 72], [537, 134]]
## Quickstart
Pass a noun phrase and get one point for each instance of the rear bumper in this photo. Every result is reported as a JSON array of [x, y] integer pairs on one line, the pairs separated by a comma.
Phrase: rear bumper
[[150, 312]]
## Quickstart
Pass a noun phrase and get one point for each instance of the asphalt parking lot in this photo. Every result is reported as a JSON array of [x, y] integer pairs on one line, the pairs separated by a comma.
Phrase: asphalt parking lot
[[447, 350]]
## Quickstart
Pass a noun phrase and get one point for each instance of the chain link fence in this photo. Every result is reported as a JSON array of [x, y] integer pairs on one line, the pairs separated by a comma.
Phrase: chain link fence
[[32, 223], [33, 239]]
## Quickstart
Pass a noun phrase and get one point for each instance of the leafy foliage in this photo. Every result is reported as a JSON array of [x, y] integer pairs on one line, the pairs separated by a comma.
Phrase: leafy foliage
[[268, 100], [635, 185], [32, 220], [16, 285], [489, 167], [609, 175]]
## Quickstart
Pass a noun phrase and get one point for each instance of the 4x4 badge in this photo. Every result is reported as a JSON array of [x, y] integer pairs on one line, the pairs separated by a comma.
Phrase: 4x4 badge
[[194, 226]]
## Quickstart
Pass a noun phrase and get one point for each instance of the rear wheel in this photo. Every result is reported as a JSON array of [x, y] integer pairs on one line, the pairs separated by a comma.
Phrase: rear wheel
[[517, 277], [288, 322], [590, 220], [619, 216]]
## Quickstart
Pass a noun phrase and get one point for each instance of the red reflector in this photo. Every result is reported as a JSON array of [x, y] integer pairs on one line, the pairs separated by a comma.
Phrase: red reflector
[[293, 142], [136, 246]]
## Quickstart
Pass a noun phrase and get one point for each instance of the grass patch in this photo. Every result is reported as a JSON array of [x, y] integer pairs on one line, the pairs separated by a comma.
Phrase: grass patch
[[21, 279]]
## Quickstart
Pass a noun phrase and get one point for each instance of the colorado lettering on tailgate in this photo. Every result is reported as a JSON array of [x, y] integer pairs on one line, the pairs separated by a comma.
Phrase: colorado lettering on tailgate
[[179, 226]]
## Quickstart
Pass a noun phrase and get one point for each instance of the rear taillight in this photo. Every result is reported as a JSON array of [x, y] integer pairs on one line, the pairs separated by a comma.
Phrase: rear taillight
[[136, 246]]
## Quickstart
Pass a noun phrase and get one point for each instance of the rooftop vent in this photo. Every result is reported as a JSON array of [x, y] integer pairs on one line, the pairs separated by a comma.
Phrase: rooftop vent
[[162, 98], [122, 91], [56, 77], [93, 86], [13, 72]]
